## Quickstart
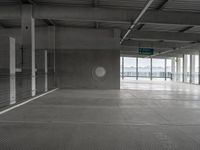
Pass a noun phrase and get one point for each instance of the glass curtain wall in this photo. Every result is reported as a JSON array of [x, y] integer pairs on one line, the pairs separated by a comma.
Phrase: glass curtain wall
[[169, 69], [158, 69], [130, 67], [144, 68]]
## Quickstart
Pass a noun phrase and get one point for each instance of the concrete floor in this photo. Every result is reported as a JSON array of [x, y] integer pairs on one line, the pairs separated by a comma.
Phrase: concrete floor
[[142, 116]]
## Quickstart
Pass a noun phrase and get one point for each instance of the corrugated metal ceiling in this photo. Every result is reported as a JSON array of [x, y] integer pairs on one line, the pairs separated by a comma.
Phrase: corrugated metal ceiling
[[171, 5], [163, 27], [183, 5]]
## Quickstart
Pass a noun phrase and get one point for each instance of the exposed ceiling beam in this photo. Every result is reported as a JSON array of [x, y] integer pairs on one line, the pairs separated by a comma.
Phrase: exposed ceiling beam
[[136, 20], [49, 22], [186, 29], [97, 25], [2, 26], [27, 1], [140, 26], [170, 36], [115, 15], [102, 15], [182, 49], [32, 2], [162, 5], [153, 44]]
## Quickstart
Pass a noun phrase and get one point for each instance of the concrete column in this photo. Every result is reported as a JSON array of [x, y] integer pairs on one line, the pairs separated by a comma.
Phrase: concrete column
[[136, 68], [122, 68], [185, 68], [28, 42], [178, 69], [183, 75], [7, 71], [46, 70], [51, 52], [151, 69], [165, 69], [12, 71], [193, 69], [173, 68], [199, 67]]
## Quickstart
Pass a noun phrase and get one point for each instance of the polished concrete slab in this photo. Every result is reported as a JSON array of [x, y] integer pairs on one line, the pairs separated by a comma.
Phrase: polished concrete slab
[[143, 115]]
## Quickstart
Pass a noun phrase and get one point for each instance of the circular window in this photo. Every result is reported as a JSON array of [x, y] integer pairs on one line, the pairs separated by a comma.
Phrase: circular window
[[100, 72]]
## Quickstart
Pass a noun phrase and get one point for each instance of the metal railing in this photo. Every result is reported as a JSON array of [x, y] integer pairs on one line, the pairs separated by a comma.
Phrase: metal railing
[[147, 74]]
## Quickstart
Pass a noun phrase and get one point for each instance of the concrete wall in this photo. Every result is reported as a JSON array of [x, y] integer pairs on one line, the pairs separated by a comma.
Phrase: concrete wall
[[69, 38], [76, 69], [77, 48], [4, 71]]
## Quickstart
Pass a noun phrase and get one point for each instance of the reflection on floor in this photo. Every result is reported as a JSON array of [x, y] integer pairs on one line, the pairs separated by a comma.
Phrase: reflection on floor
[[143, 115]]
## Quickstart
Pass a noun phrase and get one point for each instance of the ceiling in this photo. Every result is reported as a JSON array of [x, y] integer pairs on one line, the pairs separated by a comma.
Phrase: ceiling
[[158, 6]]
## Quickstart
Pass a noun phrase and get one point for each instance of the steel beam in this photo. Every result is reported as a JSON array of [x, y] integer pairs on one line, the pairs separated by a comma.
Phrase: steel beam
[[102, 15], [137, 20], [162, 5], [186, 29], [170, 36], [153, 44]]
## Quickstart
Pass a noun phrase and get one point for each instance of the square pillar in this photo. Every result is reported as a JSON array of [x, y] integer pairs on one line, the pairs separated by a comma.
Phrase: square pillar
[[185, 61], [165, 69], [193, 69], [7, 71], [191, 64], [178, 69], [46, 70], [51, 53], [28, 43], [173, 69], [12, 71]]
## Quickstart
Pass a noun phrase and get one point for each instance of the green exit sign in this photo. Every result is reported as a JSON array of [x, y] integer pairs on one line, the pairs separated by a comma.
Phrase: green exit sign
[[146, 51]]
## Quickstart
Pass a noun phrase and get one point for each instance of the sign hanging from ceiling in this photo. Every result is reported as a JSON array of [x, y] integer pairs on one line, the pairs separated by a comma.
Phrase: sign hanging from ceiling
[[146, 51]]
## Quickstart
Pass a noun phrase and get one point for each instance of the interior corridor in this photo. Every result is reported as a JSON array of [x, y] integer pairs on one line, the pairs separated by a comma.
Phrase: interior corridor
[[140, 116]]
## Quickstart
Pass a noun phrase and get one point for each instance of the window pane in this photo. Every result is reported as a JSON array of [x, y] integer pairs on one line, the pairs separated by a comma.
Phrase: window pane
[[130, 67], [169, 69], [158, 68], [144, 68]]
